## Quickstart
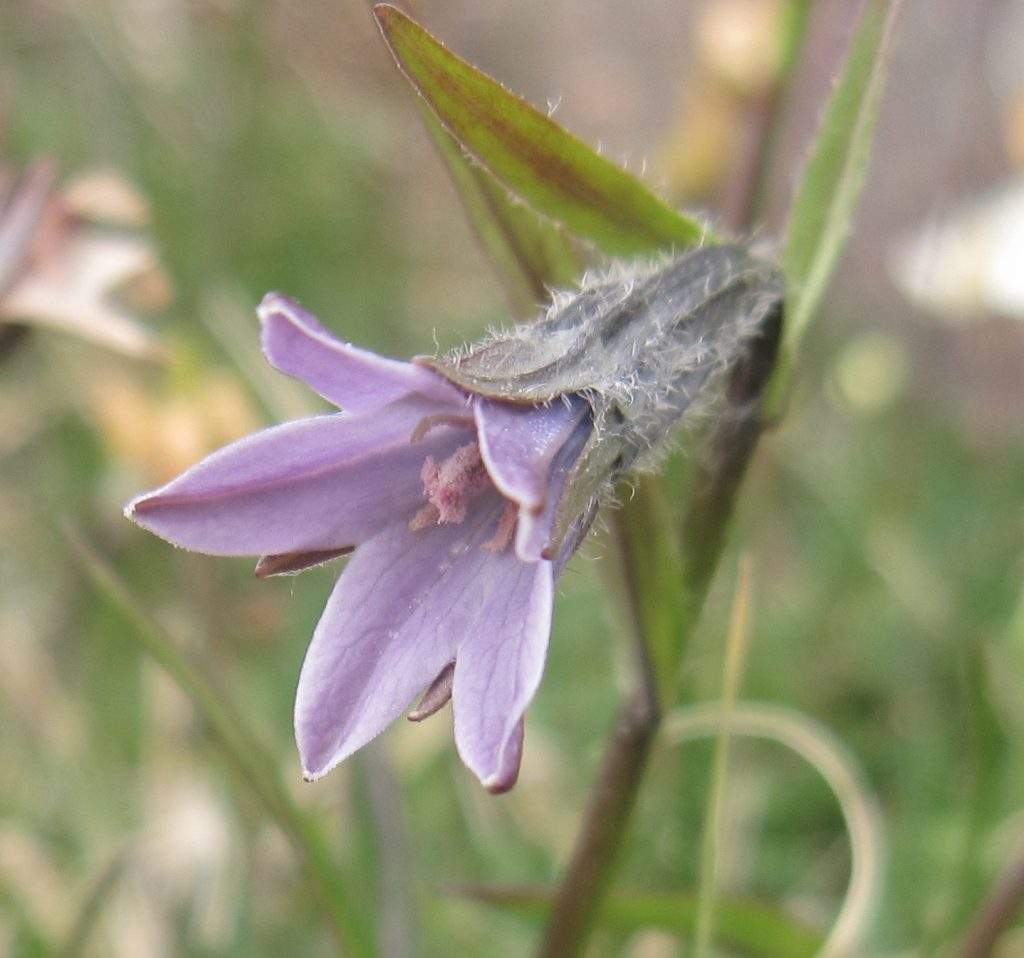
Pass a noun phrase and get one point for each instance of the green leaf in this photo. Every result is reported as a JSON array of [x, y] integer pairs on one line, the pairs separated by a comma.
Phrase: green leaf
[[827, 197], [750, 927], [530, 253], [534, 157]]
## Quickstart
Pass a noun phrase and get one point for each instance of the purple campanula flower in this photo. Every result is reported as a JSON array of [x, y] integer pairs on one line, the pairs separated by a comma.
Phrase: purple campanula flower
[[450, 499], [466, 482]]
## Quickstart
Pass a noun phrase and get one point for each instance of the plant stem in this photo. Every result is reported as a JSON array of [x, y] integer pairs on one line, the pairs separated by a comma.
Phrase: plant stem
[[998, 911], [741, 194], [706, 518], [604, 825], [605, 821]]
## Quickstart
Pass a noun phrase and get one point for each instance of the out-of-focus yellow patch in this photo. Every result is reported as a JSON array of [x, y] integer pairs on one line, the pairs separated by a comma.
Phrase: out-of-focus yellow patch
[[738, 60], [104, 196], [871, 373], [161, 436], [701, 146], [1013, 130], [738, 43]]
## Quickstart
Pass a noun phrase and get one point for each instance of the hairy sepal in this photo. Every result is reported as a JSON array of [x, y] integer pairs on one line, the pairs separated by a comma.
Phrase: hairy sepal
[[649, 346]]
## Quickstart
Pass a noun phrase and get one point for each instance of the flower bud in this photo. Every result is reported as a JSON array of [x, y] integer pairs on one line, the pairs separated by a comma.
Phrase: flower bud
[[650, 348]]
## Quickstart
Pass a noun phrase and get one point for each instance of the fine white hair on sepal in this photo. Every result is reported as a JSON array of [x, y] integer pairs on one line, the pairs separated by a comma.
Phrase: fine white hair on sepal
[[656, 347]]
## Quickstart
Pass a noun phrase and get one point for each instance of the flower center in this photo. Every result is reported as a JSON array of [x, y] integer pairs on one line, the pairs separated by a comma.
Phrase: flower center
[[450, 487]]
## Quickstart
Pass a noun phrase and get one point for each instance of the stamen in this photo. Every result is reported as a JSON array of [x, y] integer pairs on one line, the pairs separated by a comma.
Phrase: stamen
[[427, 516], [437, 695], [453, 484], [506, 526]]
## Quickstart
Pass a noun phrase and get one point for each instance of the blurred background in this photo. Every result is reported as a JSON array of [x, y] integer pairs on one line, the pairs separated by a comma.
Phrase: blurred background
[[205, 151]]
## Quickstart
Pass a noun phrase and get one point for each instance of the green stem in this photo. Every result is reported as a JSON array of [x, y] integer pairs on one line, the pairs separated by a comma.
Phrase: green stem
[[248, 758], [711, 839]]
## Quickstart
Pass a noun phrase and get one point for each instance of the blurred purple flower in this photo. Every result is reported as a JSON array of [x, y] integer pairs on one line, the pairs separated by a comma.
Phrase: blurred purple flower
[[451, 499]]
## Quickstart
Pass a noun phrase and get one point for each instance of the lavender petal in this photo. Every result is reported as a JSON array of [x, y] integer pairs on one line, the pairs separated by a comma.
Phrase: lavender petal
[[518, 444], [534, 529], [312, 485], [512, 757], [398, 614], [354, 379], [499, 665]]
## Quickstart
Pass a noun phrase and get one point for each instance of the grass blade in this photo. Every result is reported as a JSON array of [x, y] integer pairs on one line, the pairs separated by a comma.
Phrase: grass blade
[[827, 197], [92, 907], [819, 747], [735, 648], [531, 155]]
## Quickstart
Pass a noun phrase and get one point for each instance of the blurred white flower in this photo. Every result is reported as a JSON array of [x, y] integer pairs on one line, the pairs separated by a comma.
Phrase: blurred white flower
[[970, 263]]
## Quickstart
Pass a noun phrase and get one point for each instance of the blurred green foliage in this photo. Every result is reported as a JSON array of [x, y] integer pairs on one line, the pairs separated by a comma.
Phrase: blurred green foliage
[[885, 542]]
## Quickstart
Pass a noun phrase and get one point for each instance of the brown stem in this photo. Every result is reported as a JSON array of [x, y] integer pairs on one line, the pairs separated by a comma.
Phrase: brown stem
[[741, 195], [1004, 902], [604, 827], [618, 781]]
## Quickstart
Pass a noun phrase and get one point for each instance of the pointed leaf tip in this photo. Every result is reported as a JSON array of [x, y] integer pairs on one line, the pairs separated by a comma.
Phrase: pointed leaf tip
[[532, 156]]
